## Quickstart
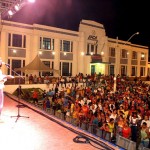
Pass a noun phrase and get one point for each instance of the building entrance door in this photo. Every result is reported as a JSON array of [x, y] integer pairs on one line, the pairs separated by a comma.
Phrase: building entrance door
[[92, 69]]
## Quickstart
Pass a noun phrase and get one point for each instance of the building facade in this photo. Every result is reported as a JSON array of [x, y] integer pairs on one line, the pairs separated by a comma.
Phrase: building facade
[[87, 50]]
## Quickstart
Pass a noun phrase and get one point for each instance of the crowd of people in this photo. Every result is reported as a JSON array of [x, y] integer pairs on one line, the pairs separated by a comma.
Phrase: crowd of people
[[122, 109]]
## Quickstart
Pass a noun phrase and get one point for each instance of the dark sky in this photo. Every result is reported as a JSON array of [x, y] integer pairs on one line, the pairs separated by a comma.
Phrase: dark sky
[[120, 18]]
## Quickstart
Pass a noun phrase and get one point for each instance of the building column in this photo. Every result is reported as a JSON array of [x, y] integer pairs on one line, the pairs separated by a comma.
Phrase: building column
[[146, 67], [75, 59], [117, 61], [35, 42], [138, 64], [29, 46], [57, 57], [81, 63], [105, 55], [32, 46], [129, 66], [4, 49], [87, 65]]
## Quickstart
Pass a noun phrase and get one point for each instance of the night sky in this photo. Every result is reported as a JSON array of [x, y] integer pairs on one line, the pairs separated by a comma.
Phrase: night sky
[[120, 18]]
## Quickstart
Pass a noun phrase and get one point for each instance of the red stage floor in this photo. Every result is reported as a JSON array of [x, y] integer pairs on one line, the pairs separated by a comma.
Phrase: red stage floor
[[36, 132]]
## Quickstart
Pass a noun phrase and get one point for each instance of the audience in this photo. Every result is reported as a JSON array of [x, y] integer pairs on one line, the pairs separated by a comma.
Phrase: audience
[[94, 101]]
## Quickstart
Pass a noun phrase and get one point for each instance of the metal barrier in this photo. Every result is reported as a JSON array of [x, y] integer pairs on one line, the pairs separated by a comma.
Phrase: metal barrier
[[58, 114], [84, 126], [107, 135], [99, 133], [125, 143], [68, 119], [90, 128], [93, 129], [62, 116], [74, 121], [48, 110], [52, 112], [144, 148]]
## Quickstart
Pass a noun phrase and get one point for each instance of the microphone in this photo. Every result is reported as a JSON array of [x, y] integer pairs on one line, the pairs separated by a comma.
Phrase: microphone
[[6, 64], [1, 62]]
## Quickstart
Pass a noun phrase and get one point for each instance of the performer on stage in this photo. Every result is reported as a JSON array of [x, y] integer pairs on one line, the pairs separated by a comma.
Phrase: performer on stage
[[3, 79]]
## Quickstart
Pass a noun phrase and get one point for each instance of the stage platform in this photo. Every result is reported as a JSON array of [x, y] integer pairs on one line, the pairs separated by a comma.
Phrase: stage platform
[[34, 129]]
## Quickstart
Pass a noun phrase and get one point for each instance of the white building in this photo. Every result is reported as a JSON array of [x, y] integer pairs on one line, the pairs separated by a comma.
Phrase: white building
[[87, 51]]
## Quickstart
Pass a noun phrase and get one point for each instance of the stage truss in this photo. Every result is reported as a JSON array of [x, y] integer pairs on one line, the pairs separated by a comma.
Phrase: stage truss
[[6, 5]]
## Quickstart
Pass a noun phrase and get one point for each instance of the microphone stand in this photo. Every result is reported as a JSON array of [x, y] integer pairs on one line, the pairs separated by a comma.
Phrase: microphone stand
[[19, 94]]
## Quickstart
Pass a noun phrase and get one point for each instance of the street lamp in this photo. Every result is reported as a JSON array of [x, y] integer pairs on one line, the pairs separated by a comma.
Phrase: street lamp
[[131, 37], [117, 57]]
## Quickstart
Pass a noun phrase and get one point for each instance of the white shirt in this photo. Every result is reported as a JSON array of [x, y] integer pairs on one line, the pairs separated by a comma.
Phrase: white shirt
[[147, 121], [2, 79]]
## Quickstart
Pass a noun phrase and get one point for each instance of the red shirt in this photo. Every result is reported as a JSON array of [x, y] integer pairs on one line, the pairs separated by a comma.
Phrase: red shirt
[[126, 132], [35, 94], [88, 90], [85, 110]]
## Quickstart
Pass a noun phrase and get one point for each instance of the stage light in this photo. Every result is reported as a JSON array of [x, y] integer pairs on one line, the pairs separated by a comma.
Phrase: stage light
[[10, 12], [31, 1], [11, 7], [17, 7]]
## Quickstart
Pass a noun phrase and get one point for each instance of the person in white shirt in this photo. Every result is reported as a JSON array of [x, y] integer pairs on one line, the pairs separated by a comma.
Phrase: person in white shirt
[[146, 120], [3, 79], [1, 92]]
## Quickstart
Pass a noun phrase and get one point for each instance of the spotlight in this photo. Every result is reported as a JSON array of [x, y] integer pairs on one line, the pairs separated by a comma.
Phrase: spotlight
[[31, 1], [17, 7], [10, 12]]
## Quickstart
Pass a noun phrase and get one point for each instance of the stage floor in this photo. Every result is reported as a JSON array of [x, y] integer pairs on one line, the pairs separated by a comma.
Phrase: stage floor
[[36, 132]]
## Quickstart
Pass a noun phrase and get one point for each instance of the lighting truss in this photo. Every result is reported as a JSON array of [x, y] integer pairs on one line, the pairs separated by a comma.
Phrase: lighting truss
[[11, 5]]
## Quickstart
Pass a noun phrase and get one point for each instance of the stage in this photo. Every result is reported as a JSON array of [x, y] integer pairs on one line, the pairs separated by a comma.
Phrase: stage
[[35, 130]]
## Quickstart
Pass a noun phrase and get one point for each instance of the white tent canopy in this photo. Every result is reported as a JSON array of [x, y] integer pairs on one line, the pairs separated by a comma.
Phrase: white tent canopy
[[36, 65]]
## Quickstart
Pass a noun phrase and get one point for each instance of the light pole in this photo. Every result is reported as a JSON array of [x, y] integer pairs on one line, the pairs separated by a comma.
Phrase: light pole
[[114, 84], [127, 72], [118, 53], [131, 37]]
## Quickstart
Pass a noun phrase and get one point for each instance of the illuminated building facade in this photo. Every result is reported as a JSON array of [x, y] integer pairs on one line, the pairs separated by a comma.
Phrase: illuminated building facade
[[87, 50]]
